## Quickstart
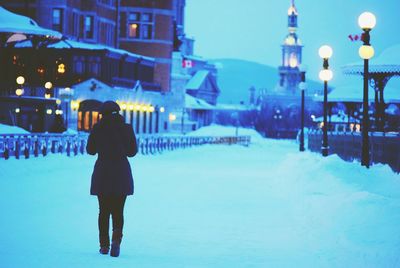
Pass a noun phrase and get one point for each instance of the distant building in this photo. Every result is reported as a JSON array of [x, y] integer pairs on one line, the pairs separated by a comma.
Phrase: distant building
[[280, 108], [194, 82]]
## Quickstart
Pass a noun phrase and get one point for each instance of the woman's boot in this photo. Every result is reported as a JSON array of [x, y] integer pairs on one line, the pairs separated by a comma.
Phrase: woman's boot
[[104, 244], [116, 242]]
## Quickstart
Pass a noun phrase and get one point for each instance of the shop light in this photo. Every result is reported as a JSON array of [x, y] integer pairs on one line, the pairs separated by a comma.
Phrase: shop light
[[172, 117], [19, 92]]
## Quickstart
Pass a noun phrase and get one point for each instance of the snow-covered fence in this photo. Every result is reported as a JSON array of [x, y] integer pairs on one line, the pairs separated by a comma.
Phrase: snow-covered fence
[[384, 147], [25, 146]]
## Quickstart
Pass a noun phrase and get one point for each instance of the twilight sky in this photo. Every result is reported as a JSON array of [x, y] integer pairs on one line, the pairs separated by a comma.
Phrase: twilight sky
[[254, 29]]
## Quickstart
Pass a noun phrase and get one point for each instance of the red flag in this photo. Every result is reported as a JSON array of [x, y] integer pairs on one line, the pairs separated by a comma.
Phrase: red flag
[[187, 63], [356, 37]]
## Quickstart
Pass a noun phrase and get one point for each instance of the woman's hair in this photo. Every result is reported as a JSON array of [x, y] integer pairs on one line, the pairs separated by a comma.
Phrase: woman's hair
[[109, 107]]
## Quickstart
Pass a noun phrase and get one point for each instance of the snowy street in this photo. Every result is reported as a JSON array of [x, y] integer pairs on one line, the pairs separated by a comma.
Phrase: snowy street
[[266, 205]]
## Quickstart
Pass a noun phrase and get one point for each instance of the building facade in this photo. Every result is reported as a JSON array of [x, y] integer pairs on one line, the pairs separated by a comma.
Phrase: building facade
[[116, 49], [144, 27]]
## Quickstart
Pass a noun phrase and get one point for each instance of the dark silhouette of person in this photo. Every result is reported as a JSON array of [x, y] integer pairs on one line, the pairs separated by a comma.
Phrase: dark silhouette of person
[[112, 181]]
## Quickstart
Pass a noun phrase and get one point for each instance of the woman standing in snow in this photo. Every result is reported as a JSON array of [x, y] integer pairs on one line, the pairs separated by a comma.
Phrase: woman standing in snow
[[112, 181]]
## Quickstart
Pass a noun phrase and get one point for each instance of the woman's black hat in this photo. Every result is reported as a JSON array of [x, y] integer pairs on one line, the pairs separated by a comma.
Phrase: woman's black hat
[[109, 107]]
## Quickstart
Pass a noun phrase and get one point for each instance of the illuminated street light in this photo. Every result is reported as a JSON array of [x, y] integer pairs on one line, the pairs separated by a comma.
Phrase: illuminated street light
[[19, 92], [48, 85], [172, 117], [325, 52], [20, 80], [367, 22]]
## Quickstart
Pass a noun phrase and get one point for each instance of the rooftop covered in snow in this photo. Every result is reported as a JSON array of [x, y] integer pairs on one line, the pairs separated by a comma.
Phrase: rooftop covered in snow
[[197, 104], [387, 62], [353, 92], [197, 80], [18, 28], [71, 44]]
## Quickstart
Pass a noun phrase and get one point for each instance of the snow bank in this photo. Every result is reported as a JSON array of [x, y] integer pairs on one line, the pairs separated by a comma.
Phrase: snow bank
[[218, 130], [6, 129], [209, 206], [70, 131]]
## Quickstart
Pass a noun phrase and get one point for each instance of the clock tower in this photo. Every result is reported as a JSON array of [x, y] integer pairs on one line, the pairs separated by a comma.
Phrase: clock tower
[[289, 72]]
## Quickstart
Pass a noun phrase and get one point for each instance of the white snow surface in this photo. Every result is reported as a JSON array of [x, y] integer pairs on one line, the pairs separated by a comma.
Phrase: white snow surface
[[14, 23], [266, 205], [7, 129]]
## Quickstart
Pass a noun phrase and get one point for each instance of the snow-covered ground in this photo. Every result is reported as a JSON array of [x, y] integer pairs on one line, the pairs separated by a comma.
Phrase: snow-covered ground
[[266, 205], [7, 129]]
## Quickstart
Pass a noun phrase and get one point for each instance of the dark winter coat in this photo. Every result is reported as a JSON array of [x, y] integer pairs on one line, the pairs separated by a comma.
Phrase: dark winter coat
[[113, 141]]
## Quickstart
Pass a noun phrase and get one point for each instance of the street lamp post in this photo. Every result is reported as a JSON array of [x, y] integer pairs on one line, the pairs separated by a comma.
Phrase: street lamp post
[[20, 90], [325, 52], [48, 86], [158, 111], [151, 110], [66, 95], [302, 87], [367, 22]]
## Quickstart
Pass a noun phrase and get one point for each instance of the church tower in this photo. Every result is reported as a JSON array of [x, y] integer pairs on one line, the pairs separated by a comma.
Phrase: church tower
[[289, 72]]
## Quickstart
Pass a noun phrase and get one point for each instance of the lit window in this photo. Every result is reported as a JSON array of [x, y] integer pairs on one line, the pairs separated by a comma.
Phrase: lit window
[[95, 118], [140, 25], [293, 60], [80, 121], [86, 121], [134, 30]]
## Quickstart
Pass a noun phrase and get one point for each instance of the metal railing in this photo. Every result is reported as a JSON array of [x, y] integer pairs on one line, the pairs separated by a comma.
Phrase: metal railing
[[384, 147], [26, 146]]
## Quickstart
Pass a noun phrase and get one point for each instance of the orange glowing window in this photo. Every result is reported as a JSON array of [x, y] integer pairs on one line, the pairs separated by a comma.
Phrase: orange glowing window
[[95, 118], [86, 121], [133, 30], [79, 120]]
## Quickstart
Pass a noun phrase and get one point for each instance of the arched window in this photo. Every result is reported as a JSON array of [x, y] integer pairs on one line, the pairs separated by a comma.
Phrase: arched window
[[88, 114]]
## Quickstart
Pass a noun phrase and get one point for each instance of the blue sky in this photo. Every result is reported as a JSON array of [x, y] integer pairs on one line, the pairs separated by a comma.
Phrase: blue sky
[[254, 29]]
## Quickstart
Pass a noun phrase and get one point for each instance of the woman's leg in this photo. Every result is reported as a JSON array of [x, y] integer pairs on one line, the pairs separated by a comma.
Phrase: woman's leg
[[104, 220], [117, 212]]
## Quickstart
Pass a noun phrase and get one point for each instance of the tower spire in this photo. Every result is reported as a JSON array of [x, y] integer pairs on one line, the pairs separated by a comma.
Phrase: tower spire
[[292, 16], [291, 54]]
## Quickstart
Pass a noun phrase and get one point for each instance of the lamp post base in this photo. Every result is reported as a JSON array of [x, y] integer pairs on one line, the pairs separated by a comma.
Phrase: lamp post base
[[324, 151], [302, 149]]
